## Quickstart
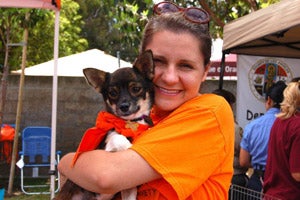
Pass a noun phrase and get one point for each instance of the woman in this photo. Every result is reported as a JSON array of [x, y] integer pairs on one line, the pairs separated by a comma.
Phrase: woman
[[282, 176], [254, 144], [188, 154]]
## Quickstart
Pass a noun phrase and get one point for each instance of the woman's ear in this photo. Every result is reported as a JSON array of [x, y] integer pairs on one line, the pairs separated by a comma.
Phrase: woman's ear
[[269, 103], [206, 70]]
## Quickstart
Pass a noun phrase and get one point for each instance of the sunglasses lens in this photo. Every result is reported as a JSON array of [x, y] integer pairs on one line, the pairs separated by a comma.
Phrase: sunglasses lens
[[165, 7], [197, 15]]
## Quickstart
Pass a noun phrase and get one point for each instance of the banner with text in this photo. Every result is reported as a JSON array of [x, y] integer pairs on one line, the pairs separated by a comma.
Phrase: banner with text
[[255, 75]]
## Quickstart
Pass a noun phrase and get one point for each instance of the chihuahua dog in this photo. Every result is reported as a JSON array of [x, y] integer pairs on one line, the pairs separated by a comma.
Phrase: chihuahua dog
[[128, 95]]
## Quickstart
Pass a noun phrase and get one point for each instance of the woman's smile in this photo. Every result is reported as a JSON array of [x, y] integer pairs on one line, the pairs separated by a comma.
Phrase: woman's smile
[[171, 92]]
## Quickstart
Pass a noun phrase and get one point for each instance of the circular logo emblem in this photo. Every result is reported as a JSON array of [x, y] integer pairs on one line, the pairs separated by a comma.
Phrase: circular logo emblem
[[264, 73]]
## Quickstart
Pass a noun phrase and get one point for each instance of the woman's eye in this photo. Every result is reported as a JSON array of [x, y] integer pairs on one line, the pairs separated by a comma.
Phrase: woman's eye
[[158, 62], [186, 66]]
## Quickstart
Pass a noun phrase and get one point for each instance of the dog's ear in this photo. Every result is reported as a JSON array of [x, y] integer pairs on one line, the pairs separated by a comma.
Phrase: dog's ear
[[95, 77], [145, 64]]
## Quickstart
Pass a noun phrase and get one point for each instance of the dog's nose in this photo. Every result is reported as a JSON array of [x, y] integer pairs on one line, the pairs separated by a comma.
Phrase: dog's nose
[[124, 107]]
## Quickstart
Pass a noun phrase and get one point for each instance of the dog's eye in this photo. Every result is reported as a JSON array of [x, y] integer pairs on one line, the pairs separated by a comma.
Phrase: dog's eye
[[136, 89], [113, 93]]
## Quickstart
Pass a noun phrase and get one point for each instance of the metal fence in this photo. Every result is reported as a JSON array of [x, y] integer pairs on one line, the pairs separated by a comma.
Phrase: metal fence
[[241, 193]]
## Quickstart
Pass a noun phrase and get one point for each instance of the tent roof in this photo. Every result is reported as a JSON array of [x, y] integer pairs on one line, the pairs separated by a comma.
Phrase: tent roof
[[74, 64], [272, 31], [46, 4]]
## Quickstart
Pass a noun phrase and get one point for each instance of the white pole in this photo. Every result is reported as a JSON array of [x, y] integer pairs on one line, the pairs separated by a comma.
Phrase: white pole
[[54, 105]]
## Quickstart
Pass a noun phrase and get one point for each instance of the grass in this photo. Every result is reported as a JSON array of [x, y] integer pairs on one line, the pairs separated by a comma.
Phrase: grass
[[23, 196], [17, 194]]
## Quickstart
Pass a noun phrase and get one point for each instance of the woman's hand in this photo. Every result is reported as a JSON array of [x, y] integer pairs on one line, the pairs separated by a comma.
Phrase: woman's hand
[[296, 176]]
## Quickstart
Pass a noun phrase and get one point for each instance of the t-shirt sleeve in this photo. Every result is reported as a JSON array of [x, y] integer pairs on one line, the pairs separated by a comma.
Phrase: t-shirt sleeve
[[245, 142], [189, 145]]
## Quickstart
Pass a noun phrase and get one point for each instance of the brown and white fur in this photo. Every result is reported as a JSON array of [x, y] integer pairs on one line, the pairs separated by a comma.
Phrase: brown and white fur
[[128, 93]]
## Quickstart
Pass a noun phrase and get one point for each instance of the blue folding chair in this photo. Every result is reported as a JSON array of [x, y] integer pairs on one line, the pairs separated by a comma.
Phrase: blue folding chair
[[35, 154]]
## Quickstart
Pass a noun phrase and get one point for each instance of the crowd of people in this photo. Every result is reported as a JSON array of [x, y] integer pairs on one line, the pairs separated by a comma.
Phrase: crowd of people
[[267, 151], [196, 150], [254, 144]]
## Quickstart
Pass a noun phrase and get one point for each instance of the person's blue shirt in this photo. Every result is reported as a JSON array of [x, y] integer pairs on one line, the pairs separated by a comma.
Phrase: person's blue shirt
[[256, 137]]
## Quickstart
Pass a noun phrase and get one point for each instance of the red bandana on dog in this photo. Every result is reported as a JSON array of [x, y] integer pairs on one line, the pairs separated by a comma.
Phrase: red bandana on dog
[[104, 123]]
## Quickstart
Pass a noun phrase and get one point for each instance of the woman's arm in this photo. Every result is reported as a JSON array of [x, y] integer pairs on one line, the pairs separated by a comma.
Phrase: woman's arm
[[105, 172]]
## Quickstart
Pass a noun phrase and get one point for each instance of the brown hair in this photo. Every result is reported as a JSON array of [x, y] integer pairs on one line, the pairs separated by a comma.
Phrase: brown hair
[[177, 23], [228, 96]]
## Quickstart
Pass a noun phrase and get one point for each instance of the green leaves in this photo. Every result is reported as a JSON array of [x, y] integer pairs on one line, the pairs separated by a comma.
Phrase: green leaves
[[41, 33], [114, 26]]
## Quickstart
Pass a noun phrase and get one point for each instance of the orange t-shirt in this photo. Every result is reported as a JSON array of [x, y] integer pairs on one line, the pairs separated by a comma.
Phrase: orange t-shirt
[[192, 148]]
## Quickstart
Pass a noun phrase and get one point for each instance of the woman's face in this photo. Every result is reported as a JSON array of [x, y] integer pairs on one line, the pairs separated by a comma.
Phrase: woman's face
[[179, 68]]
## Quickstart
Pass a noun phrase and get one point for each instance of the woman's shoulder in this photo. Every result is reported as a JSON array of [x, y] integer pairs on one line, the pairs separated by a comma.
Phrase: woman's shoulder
[[209, 105], [204, 105], [293, 121], [208, 101]]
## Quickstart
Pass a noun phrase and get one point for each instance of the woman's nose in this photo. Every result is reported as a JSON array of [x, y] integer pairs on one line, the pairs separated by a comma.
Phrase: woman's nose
[[170, 75]]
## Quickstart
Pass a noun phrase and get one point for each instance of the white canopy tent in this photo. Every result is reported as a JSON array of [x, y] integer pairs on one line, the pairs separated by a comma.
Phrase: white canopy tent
[[74, 64], [55, 6]]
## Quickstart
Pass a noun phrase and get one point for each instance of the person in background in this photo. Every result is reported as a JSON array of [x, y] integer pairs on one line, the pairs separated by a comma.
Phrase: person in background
[[282, 176], [254, 144], [188, 154], [239, 177]]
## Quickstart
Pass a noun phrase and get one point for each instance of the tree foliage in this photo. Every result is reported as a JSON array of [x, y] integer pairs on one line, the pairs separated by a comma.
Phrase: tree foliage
[[114, 26], [69, 34], [11, 23], [41, 33], [123, 21]]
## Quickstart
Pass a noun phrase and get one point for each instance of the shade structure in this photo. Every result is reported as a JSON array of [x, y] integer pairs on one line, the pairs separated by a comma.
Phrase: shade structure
[[73, 65], [44, 4], [273, 31], [268, 34], [55, 6]]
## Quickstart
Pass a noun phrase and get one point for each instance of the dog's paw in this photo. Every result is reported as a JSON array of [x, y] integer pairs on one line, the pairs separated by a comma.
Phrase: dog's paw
[[116, 142], [129, 194]]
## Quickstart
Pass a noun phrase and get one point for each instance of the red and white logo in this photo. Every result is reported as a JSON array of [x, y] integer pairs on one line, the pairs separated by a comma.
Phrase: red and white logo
[[264, 73]]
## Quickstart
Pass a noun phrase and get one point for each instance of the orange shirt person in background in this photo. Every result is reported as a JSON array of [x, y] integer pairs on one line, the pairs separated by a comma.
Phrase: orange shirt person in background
[[188, 154]]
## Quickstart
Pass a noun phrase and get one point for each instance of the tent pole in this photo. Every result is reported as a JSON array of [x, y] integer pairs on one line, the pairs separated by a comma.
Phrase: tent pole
[[54, 107], [222, 71]]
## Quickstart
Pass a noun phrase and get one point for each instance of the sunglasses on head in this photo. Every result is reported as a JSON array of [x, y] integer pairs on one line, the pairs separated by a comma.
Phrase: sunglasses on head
[[196, 15]]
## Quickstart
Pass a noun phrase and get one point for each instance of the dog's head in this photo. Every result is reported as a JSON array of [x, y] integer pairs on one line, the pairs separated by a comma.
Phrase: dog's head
[[127, 92]]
